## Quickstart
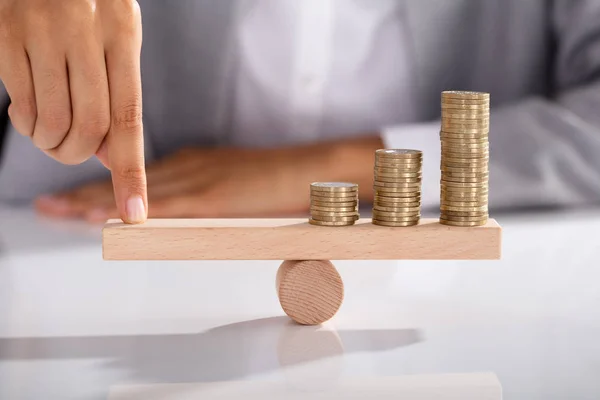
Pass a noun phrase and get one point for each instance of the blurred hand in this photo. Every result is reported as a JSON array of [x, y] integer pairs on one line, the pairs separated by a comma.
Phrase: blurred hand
[[72, 71], [226, 182]]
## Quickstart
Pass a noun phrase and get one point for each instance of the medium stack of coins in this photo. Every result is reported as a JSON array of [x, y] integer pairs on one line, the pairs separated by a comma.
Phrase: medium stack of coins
[[465, 156], [397, 186], [333, 203]]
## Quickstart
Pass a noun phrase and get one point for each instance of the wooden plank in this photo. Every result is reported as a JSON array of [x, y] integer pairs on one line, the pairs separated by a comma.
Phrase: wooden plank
[[296, 239]]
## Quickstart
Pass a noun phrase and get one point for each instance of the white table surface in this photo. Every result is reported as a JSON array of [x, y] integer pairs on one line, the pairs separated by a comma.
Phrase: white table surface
[[73, 326]]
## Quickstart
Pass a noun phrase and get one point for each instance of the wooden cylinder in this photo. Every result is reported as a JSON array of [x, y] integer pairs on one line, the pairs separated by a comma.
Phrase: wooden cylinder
[[310, 292]]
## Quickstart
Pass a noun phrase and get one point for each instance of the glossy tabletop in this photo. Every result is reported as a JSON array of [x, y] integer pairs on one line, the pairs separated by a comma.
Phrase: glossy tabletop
[[73, 326]]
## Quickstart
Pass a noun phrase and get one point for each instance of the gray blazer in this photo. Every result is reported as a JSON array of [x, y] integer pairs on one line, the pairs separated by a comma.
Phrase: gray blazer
[[539, 59]]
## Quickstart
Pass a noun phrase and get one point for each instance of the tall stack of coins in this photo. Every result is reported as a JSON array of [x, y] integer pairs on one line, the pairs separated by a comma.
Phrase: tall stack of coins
[[465, 156], [333, 203], [397, 186]]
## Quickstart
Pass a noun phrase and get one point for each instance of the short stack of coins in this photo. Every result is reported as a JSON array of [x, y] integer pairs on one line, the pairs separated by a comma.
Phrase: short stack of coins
[[465, 156], [333, 203], [397, 186]]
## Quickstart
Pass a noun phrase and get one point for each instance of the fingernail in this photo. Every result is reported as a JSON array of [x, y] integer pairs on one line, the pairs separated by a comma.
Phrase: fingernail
[[135, 209]]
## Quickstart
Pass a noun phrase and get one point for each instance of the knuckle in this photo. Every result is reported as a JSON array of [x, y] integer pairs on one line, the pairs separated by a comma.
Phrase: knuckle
[[127, 16], [39, 16], [25, 107], [52, 83], [94, 125], [128, 118], [55, 120]]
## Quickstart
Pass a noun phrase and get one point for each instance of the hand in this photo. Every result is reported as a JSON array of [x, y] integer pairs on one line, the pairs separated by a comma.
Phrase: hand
[[229, 182], [72, 71]]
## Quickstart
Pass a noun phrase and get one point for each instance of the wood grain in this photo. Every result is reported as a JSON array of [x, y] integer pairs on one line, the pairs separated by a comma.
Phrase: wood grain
[[310, 292], [296, 239]]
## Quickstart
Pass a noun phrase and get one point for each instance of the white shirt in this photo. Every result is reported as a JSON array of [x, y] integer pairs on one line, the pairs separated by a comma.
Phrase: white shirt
[[335, 68]]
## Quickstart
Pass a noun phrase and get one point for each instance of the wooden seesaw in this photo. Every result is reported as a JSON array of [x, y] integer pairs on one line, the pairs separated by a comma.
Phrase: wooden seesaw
[[309, 287]]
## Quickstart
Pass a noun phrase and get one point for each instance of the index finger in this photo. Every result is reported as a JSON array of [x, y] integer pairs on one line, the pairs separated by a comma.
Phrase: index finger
[[125, 139]]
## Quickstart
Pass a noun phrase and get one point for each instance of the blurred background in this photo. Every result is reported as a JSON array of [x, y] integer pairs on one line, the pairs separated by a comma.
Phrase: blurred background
[[247, 102]]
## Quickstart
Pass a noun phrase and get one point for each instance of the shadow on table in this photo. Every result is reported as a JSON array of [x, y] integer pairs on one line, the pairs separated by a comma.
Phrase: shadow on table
[[224, 353]]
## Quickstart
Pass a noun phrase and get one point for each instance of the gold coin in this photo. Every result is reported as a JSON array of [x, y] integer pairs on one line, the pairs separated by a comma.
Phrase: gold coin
[[465, 165], [397, 200], [464, 170], [476, 127], [325, 196], [397, 180], [458, 186], [401, 161], [464, 204], [473, 132], [396, 207], [392, 204], [416, 217], [379, 165], [476, 216], [413, 185], [462, 107], [332, 204], [463, 219], [479, 189], [485, 155], [385, 206], [465, 150], [333, 187], [333, 209], [397, 192], [333, 214], [330, 223], [464, 147], [384, 171], [456, 120], [463, 196], [479, 135], [394, 214], [395, 224], [466, 116], [464, 224], [398, 195], [453, 222], [445, 207], [464, 95], [448, 192], [463, 140], [460, 160], [465, 175], [398, 175], [480, 203], [478, 102], [398, 153], [450, 214], [466, 180], [334, 218], [448, 198]]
